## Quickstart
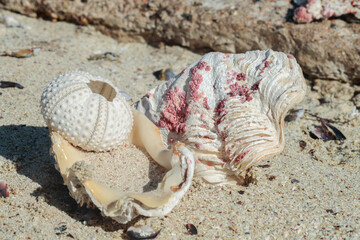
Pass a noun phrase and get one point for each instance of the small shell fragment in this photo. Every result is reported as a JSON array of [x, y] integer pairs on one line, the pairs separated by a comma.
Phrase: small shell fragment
[[24, 53], [294, 115], [142, 232], [8, 84], [327, 132], [191, 229], [4, 192], [164, 74], [109, 56]]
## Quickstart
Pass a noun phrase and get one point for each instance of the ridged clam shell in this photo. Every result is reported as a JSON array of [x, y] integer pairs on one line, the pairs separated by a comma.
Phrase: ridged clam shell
[[229, 108], [87, 110]]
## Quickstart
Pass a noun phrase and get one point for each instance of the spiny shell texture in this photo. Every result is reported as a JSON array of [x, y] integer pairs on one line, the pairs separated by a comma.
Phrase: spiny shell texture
[[87, 110], [229, 108]]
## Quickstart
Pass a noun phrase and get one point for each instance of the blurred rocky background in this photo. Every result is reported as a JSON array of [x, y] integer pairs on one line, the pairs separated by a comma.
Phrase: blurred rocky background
[[323, 35]]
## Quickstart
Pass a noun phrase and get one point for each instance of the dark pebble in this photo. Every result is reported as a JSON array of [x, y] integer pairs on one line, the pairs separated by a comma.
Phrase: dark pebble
[[191, 229]]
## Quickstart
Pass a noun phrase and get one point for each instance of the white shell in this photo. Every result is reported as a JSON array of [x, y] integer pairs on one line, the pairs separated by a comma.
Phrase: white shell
[[87, 110], [229, 108]]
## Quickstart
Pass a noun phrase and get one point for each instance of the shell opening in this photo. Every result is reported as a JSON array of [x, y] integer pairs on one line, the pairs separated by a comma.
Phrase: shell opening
[[102, 88]]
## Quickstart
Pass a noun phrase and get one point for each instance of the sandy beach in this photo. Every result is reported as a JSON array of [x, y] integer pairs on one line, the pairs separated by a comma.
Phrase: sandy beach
[[309, 191]]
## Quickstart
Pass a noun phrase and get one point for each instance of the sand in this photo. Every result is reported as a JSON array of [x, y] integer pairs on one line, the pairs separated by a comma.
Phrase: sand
[[308, 193]]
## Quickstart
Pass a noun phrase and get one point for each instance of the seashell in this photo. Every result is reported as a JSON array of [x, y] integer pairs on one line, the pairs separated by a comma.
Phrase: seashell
[[23, 53], [164, 74], [191, 229], [229, 109], [142, 232], [4, 191], [294, 115], [86, 110]]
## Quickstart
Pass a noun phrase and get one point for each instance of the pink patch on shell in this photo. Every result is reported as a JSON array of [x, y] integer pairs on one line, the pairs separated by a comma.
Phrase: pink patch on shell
[[182, 72], [241, 77], [290, 56], [256, 85], [197, 79], [241, 157], [175, 113], [205, 103], [240, 90]]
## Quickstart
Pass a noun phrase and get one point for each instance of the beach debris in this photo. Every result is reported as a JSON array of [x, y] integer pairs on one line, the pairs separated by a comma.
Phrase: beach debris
[[23, 53], [294, 115], [4, 191], [8, 84], [310, 10], [326, 132], [84, 106], [127, 96], [323, 100], [109, 56], [60, 229], [294, 181], [331, 211], [191, 229], [197, 4], [241, 192], [164, 74], [142, 232], [264, 166], [302, 144], [270, 177], [228, 105]]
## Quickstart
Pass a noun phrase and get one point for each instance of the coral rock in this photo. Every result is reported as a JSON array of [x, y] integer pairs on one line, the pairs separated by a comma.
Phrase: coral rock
[[319, 9]]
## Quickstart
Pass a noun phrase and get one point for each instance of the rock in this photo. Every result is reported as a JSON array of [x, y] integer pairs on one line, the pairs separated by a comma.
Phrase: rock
[[319, 9], [357, 100], [324, 49]]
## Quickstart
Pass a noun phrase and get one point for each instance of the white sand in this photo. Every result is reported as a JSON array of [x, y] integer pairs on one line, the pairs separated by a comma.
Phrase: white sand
[[323, 202]]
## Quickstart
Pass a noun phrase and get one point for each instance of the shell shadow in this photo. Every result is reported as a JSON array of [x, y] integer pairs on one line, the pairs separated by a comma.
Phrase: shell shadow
[[28, 148]]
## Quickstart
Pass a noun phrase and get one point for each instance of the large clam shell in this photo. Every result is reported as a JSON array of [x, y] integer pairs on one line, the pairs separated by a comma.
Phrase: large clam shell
[[229, 108]]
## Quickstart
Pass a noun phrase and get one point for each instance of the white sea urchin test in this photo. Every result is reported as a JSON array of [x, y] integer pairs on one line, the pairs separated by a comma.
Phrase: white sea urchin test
[[87, 110]]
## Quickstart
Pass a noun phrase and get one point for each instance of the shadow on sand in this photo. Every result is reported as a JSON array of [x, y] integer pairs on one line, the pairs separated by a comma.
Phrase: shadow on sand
[[28, 147]]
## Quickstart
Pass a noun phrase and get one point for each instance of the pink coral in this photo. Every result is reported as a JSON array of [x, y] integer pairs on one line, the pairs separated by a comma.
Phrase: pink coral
[[175, 113], [319, 9], [302, 16], [240, 90]]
